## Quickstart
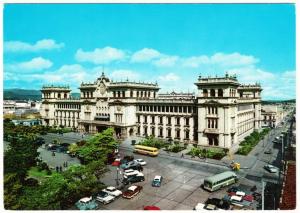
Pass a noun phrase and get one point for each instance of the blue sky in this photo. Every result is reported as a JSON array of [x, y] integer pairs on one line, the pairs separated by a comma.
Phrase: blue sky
[[171, 44]]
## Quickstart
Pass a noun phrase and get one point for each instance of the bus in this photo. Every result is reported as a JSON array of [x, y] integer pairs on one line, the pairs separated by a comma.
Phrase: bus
[[146, 150], [218, 181]]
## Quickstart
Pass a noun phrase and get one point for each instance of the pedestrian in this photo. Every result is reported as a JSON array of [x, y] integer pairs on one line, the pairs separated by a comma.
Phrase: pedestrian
[[57, 168], [60, 169], [182, 155], [66, 163]]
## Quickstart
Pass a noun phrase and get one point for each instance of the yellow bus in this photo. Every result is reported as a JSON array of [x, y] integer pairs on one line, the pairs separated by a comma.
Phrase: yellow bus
[[146, 150]]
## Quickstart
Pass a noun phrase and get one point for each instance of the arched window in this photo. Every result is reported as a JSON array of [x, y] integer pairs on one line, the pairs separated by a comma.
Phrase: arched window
[[220, 93], [65, 95], [212, 93], [59, 95], [205, 93]]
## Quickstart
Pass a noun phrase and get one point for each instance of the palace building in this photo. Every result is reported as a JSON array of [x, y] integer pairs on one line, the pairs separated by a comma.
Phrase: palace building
[[221, 114]]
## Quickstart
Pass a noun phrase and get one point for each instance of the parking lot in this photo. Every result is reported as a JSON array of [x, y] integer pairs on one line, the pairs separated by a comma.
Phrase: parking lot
[[180, 189]]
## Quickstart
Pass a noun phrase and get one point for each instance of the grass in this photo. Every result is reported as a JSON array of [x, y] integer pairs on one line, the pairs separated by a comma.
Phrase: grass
[[39, 175]]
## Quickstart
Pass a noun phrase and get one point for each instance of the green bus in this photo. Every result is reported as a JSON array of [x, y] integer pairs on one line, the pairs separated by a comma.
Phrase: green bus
[[218, 181]]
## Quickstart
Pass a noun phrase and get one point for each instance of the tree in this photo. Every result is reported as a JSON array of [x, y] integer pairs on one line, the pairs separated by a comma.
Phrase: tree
[[12, 191], [97, 147], [21, 156]]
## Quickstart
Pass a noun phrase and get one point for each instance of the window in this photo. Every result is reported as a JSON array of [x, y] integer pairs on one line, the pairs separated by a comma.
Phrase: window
[[177, 133], [163, 108], [178, 121], [119, 94], [138, 118], [208, 123], [123, 94], [176, 109], [169, 133], [160, 132], [145, 119], [153, 131], [210, 141], [220, 93], [138, 130], [184, 109], [153, 119], [167, 108], [137, 94], [131, 93], [171, 108], [212, 93], [169, 120], [205, 93], [160, 120], [187, 121], [187, 134], [145, 131]]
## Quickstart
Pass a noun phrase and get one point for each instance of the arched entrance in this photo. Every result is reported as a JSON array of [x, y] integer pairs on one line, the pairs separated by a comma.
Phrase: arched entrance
[[131, 132]]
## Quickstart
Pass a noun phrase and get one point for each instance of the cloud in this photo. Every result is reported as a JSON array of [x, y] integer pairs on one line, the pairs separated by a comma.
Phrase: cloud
[[35, 64], [105, 55], [169, 77], [220, 59], [124, 74], [145, 55], [166, 61], [19, 46]]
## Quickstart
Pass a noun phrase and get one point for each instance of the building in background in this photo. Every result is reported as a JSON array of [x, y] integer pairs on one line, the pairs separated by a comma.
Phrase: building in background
[[221, 114], [273, 114]]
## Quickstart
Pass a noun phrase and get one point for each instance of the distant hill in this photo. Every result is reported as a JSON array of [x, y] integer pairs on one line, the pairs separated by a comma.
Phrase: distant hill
[[24, 94], [277, 101]]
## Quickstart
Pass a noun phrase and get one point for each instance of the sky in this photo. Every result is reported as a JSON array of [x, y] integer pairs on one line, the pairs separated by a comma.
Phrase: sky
[[171, 44]]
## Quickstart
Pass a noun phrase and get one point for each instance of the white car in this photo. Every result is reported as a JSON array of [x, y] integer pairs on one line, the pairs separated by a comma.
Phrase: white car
[[271, 168], [141, 162], [130, 172], [199, 206], [104, 197], [112, 191]]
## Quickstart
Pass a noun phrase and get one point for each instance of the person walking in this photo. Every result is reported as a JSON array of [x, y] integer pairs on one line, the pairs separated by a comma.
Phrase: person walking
[[182, 156]]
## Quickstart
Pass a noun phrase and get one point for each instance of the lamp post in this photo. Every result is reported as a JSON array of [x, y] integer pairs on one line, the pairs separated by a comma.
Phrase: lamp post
[[117, 180], [263, 195]]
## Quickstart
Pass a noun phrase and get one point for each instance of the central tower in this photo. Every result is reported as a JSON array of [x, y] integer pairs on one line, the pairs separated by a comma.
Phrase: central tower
[[217, 110]]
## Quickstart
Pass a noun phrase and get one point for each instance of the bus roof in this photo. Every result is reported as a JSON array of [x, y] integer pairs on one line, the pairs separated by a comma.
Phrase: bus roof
[[145, 147], [220, 176]]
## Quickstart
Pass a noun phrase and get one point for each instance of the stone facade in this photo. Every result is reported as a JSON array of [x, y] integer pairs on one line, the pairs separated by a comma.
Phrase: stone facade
[[221, 114]]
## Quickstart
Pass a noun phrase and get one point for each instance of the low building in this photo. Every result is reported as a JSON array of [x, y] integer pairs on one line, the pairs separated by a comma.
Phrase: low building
[[221, 114]]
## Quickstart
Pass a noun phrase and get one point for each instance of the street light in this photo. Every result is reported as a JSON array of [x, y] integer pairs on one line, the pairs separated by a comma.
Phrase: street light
[[117, 180]]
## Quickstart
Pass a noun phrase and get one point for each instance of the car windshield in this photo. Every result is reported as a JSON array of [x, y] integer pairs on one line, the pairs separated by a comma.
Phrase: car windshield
[[102, 194], [110, 190]]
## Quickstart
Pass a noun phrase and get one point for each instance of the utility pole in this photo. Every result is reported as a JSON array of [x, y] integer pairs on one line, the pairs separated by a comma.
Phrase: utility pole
[[263, 195]]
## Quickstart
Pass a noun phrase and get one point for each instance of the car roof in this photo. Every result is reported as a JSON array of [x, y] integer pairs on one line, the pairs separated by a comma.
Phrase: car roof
[[85, 199], [157, 177], [132, 188], [111, 188]]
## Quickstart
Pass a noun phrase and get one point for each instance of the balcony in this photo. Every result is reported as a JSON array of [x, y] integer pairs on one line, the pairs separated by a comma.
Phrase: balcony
[[211, 131], [212, 115]]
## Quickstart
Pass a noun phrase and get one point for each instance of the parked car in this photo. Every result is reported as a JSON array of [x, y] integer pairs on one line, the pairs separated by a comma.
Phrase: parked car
[[151, 208], [268, 151], [199, 206], [130, 172], [132, 191], [221, 204], [86, 203], [112, 191], [157, 181], [271, 168], [117, 162], [134, 179], [104, 197], [141, 162], [127, 158], [132, 165], [233, 189]]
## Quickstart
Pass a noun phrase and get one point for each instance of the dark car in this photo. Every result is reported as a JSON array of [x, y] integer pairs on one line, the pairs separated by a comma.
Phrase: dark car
[[40, 141], [134, 179], [132, 191], [268, 151], [233, 189], [221, 204]]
